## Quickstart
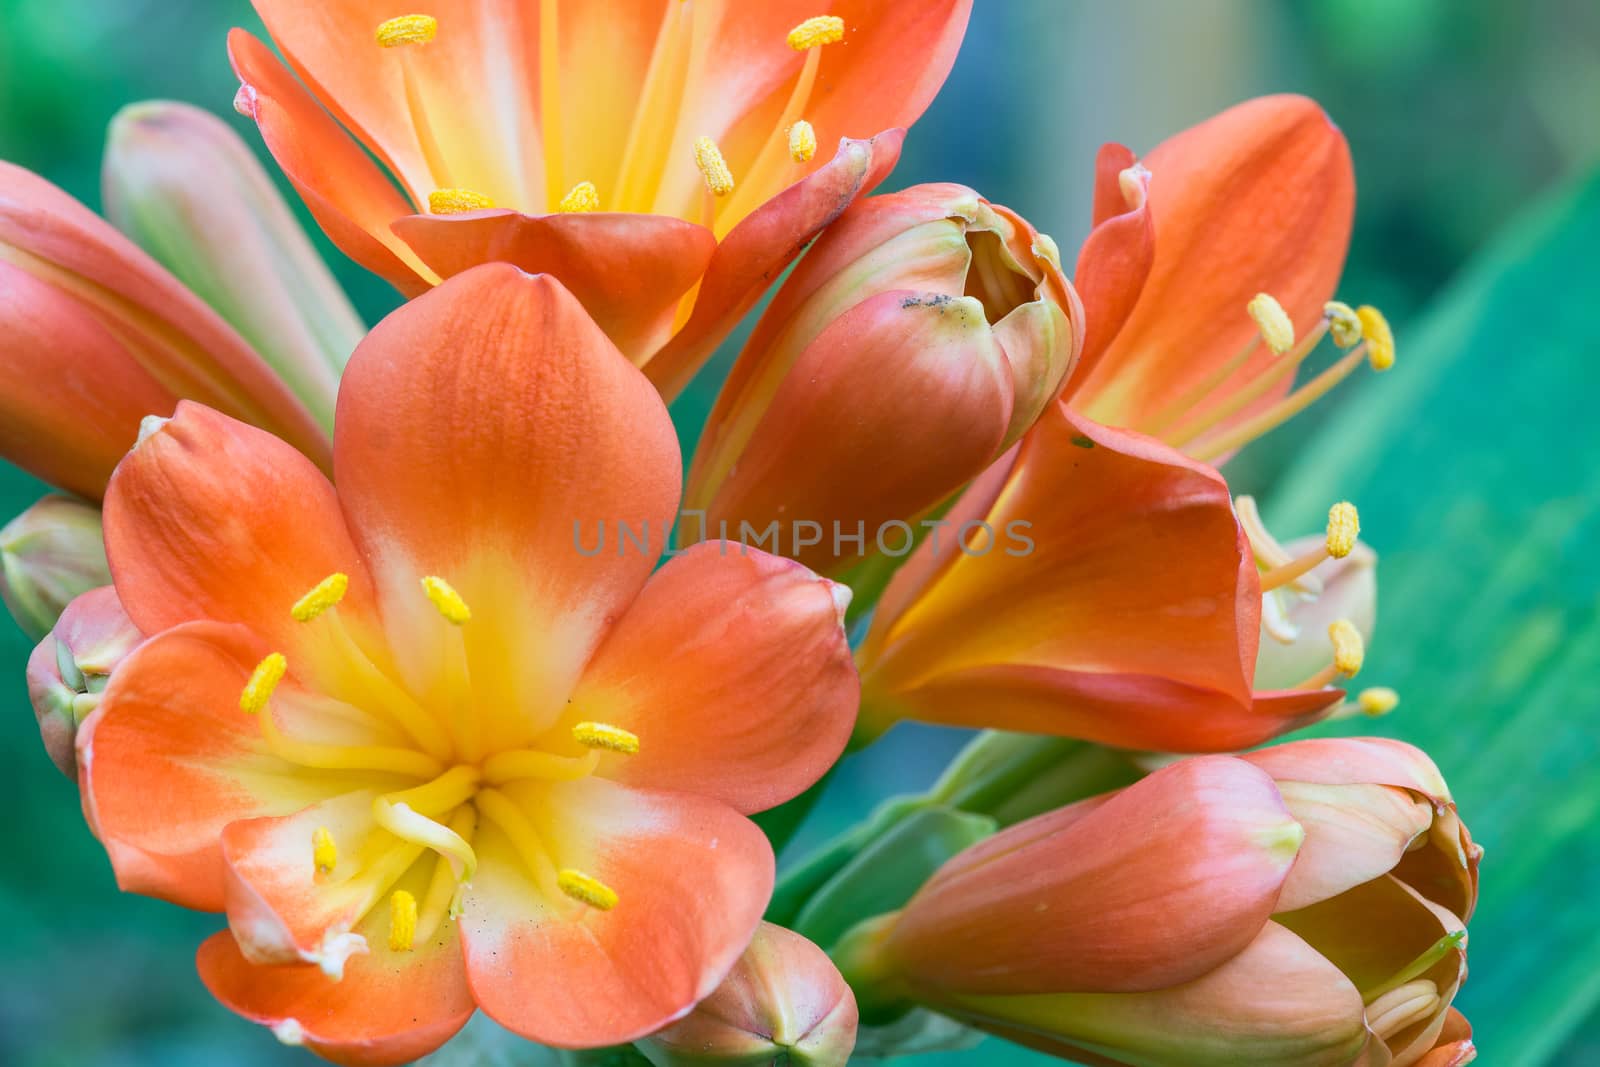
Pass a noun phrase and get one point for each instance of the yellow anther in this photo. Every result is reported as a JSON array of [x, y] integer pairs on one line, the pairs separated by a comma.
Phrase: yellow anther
[[592, 891], [1380, 339], [1344, 526], [1276, 329], [263, 680], [1379, 700], [818, 30], [600, 735], [1348, 648], [402, 921], [713, 168], [446, 599], [581, 197], [407, 29], [802, 142], [457, 201], [1343, 323], [324, 853], [324, 595]]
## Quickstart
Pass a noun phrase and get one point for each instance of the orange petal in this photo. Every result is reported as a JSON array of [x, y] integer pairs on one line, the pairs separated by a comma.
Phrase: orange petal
[[1117, 256], [1454, 1047], [1354, 833], [485, 432], [1353, 761], [349, 196], [211, 519], [758, 249], [733, 670], [628, 271], [1258, 198], [691, 877], [1123, 608], [1092, 907], [168, 760]]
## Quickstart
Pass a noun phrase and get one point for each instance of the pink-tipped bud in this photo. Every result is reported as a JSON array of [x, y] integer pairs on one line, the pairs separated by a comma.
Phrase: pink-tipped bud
[[783, 1002], [69, 669], [48, 555]]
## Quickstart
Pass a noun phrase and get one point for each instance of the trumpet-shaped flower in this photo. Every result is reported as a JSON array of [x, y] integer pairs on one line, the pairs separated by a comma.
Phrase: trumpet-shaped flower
[[1318, 891], [413, 735], [659, 156]]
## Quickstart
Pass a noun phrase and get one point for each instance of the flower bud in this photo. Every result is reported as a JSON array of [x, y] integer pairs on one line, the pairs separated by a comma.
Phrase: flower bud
[[49, 554], [69, 669], [185, 187], [1295, 618], [783, 1002], [917, 340]]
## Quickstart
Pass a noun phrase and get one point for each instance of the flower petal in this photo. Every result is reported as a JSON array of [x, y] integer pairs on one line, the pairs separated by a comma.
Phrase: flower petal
[[485, 431], [1116, 258], [733, 670], [1354, 833], [691, 876]]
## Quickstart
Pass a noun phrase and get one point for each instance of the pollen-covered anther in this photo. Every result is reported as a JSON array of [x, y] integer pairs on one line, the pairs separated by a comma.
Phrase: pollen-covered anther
[[1348, 649], [402, 921], [407, 29], [1344, 325], [458, 201], [324, 852], [263, 680], [586, 888], [802, 142], [581, 197], [1380, 339], [1276, 328], [1344, 527], [1378, 700], [603, 735], [817, 30], [324, 595], [445, 598], [713, 168]]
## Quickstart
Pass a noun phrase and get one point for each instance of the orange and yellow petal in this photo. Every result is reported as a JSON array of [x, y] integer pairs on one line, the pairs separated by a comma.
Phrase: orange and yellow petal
[[733, 671], [489, 434], [691, 878], [1117, 256]]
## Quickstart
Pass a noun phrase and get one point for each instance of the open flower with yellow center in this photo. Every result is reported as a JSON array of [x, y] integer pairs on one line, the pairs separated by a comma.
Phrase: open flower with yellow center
[[426, 753], [659, 156]]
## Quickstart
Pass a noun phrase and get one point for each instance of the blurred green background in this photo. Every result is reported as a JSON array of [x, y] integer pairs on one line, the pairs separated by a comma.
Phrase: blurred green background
[[1460, 114]]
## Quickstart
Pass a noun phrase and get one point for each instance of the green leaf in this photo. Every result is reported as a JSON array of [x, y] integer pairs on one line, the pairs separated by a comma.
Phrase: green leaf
[[1476, 466]]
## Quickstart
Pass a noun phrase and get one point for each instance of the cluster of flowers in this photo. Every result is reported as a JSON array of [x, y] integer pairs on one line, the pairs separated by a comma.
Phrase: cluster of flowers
[[320, 652]]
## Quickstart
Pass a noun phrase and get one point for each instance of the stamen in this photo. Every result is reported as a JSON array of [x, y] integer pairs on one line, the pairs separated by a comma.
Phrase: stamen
[[324, 853], [818, 30], [1380, 339], [263, 680], [404, 761], [407, 29], [713, 168], [1378, 700], [457, 201], [444, 892], [1344, 526], [1252, 390], [1282, 411], [802, 142], [503, 812], [602, 735], [515, 766], [1277, 330], [402, 921], [324, 595], [1343, 323], [450, 790], [581, 197], [446, 599], [1348, 649], [590, 890]]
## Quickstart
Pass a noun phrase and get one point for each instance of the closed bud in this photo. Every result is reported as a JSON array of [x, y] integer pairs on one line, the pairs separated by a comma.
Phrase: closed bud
[[48, 555], [784, 1002], [69, 669], [189, 191], [919, 338]]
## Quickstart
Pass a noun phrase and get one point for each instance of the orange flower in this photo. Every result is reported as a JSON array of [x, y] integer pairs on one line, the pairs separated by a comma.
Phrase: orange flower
[[1094, 584], [414, 733], [1319, 892], [659, 156], [1208, 277]]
